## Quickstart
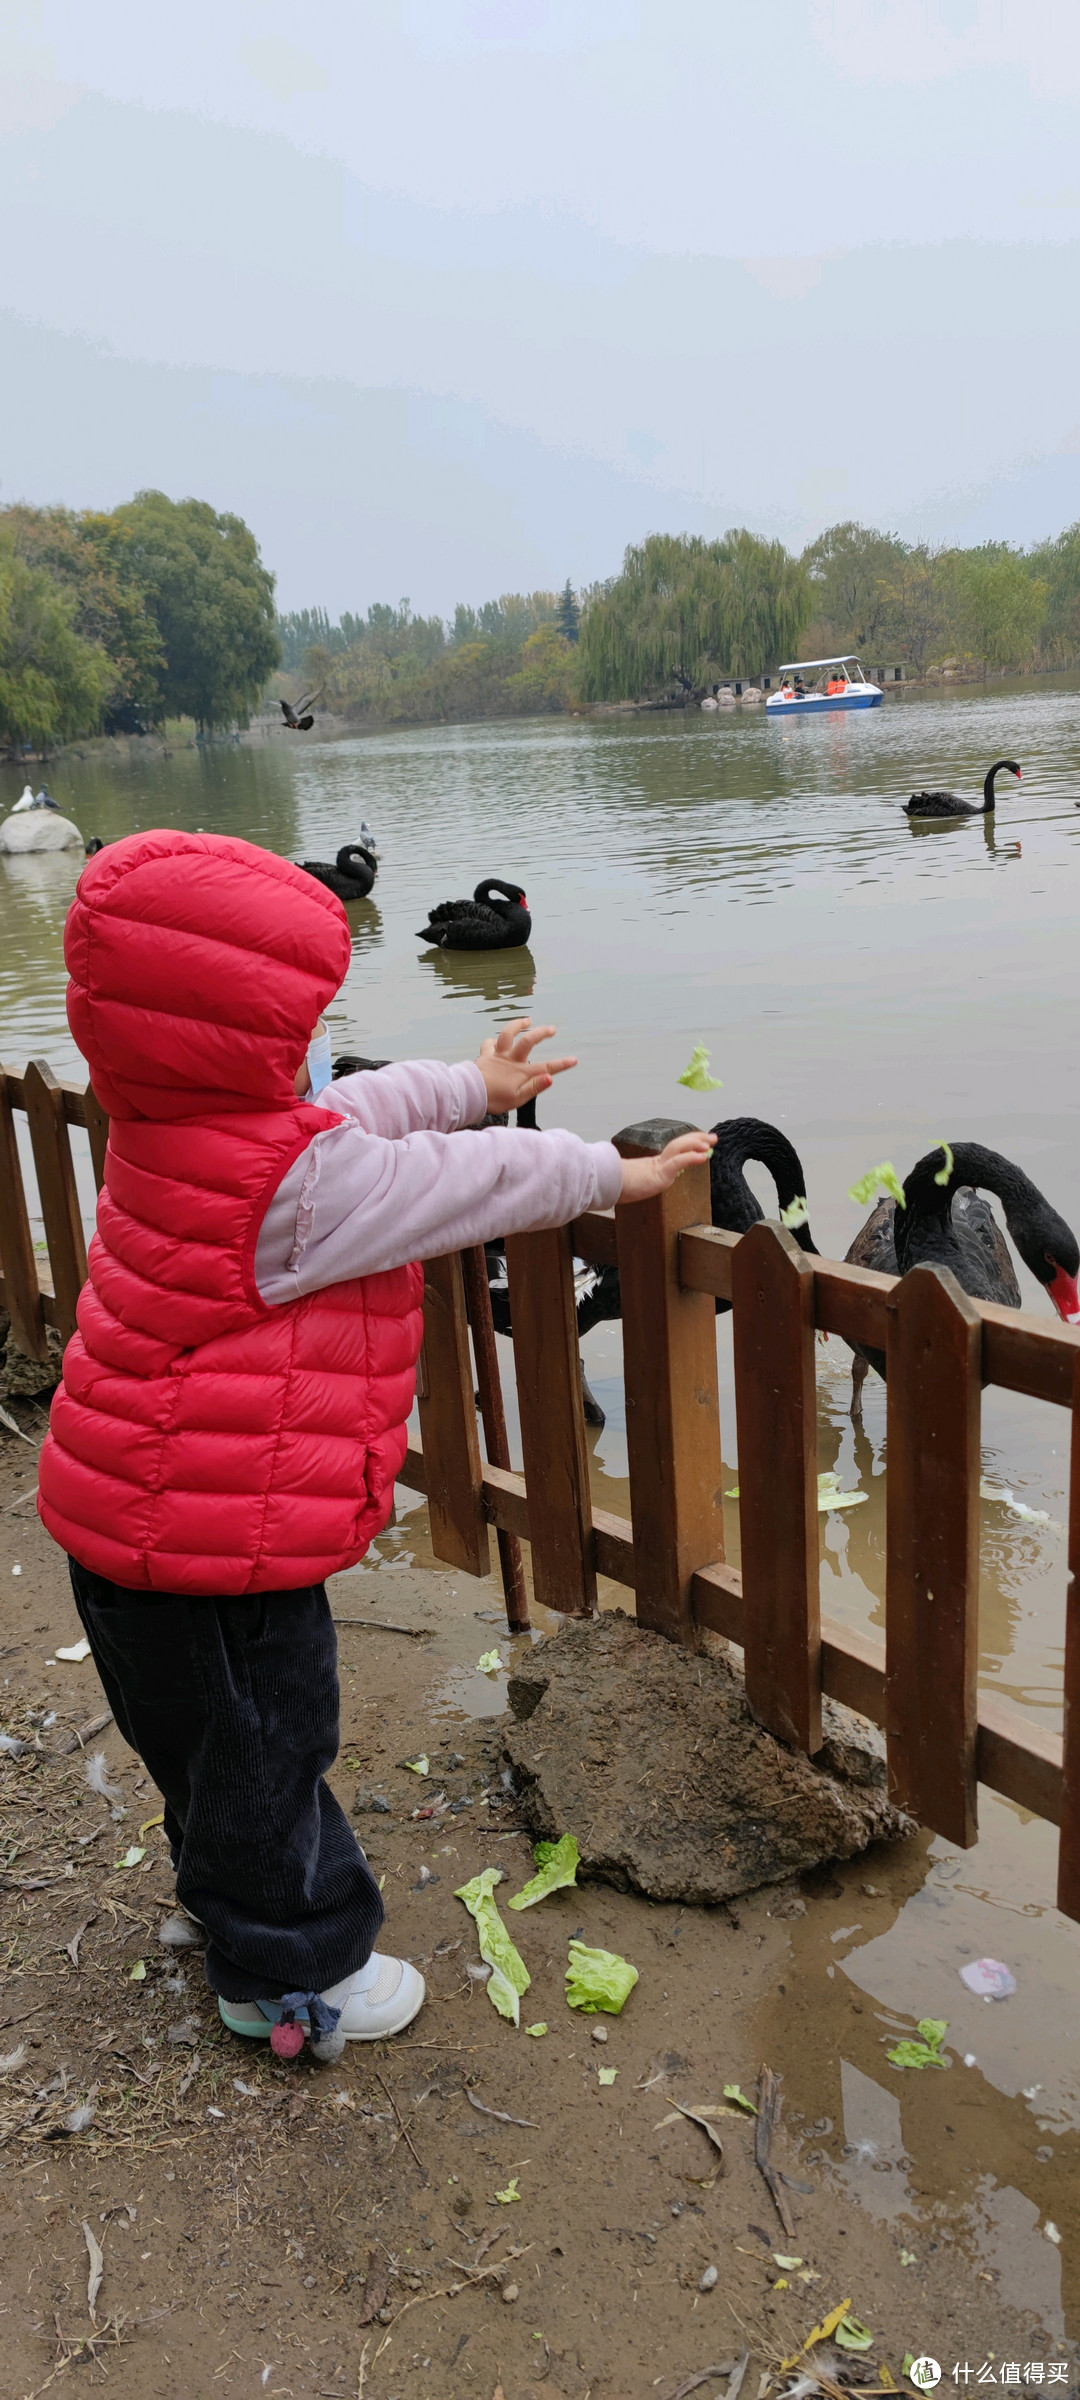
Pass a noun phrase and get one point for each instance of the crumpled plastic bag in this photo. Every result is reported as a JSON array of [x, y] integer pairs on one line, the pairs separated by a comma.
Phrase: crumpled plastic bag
[[558, 1863], [509, 1976], [598, 1979]]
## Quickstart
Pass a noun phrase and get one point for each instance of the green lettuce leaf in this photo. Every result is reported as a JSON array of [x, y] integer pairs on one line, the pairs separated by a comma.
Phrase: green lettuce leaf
[[697, 1077], [598, 1979], [946, 1172], [851, 2335], [558, 1867], [927, 2051], [798, 1214], [509, 1976], [866, 1187]]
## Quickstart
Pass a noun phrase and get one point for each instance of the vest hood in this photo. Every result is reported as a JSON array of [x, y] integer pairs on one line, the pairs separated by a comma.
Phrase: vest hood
[[198, 966]]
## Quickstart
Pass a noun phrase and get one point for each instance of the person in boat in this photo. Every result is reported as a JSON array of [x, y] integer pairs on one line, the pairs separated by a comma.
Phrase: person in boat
[[838, 682]]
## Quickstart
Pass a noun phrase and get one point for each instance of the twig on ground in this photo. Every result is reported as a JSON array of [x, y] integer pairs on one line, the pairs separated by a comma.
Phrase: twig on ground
[[71, 1949], [528, 2124], [768, 2102], [401, 2122], [706, 2375], [416, 1633]]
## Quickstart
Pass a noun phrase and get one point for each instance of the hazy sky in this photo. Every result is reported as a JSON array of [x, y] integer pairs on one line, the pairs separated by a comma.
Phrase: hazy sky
[[454, 296]]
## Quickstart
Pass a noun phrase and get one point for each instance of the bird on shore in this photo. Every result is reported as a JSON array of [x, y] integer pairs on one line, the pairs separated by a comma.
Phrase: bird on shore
[[300, 719], [481, 923], [946, 1223], [946, 804], [352, 874]]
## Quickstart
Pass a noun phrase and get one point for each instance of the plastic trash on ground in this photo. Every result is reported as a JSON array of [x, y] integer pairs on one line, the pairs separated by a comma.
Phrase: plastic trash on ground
[[989, 1978]]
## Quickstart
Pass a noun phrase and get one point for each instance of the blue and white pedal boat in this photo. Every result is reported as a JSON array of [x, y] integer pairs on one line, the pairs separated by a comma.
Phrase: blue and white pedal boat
[[838, 683]]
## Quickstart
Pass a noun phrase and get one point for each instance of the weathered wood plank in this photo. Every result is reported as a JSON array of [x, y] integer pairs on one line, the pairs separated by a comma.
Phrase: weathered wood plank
[[72, 1096], [593, 1237], [22, 1292], [448, 1424], [932, 1550], [776, 1412], [56, 1185], [1069, 1849], [672, 1394], [547, 1360], [493, 1419], [97, 1126]]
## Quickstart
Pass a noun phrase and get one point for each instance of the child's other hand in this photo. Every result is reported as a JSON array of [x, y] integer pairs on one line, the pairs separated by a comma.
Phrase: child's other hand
[[508, 1069], [644, 1178]]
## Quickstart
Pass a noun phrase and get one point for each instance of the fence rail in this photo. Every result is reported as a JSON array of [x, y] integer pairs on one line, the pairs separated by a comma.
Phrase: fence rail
[[920, 1683]]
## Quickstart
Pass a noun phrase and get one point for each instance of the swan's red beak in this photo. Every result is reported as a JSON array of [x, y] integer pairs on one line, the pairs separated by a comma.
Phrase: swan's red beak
[[1065, 1296]]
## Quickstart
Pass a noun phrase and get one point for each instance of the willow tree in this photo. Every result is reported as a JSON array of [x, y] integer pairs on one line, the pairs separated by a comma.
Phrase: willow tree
[[685, 611]]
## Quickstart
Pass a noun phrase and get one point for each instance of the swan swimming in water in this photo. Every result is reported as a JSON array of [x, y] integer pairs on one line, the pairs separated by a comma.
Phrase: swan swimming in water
[[946, 804]]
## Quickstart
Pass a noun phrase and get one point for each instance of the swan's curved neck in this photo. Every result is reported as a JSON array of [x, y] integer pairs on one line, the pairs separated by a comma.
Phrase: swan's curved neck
[[742, 1138], [985, 1169]]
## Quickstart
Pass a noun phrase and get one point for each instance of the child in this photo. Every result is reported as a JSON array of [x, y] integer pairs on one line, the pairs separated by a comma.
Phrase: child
[[233, 1410]]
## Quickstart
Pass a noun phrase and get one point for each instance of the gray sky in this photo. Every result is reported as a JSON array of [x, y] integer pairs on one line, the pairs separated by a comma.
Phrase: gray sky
[[454, 296]]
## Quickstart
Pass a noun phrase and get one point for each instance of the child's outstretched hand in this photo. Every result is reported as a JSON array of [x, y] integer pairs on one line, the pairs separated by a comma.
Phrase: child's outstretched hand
[[507, 1066], [643, 1178]]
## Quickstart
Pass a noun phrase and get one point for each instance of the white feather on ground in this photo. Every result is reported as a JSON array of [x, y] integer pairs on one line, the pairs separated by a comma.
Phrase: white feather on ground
[[98, 1780]]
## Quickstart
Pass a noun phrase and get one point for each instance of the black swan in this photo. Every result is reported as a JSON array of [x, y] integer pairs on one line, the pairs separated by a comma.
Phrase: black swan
[[481, 923], [733, 1206], [949, 1225], [946, 804], [300, 719], [351, 875], [94, 844]]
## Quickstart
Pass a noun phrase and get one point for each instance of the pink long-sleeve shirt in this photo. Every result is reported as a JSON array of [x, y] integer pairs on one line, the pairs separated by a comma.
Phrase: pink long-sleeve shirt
[[392, 1182]]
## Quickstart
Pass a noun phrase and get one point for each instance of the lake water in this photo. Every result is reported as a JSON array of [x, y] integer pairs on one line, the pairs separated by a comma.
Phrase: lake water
[[868, 987]]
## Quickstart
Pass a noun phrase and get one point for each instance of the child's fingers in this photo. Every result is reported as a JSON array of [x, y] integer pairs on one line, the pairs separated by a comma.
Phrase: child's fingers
[[506, 1040], [527, 1040], [553, 1066]]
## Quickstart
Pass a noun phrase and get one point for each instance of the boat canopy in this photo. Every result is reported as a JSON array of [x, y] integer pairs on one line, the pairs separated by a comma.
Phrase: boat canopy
[[843, 658]]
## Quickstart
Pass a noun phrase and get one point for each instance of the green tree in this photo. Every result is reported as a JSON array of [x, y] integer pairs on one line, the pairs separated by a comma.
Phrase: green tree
[[684, 610], [53, 682], [91, 558], [569, 616], [853, 573], [999, 605], [1057, 565], [213, 603]]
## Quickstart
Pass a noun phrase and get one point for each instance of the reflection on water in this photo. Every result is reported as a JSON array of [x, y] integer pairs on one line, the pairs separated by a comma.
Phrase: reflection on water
[[501, 980]]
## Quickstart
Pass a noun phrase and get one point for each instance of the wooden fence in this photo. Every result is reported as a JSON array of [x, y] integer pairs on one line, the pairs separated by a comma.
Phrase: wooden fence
[[920, 1683]]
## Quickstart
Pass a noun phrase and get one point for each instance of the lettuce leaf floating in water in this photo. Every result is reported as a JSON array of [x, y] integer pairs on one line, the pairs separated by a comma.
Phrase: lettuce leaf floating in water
[[558, 1863], [866, 1187], [598, 1979], [927, 2051], [829, 1494], [489, 1664], [509, 1976], [697, 1077]]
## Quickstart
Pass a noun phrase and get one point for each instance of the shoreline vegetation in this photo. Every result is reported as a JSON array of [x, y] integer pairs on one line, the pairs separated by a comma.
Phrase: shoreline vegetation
[[160, 615]]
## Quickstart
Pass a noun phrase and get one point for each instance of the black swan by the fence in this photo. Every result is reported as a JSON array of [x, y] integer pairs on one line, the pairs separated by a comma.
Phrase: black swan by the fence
[[946, 804], [352, 873], [950, 1225], [481, 923]]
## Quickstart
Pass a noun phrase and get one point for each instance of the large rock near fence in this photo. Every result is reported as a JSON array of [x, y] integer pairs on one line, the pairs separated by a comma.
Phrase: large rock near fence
[[650, 1756]]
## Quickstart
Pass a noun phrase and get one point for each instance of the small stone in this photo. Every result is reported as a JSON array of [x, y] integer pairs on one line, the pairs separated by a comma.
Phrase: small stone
[[509, 2292], [709, 2280], [599, 2033], [374, 1804]]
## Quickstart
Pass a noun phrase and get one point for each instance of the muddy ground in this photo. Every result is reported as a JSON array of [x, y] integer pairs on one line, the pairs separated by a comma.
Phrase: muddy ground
[[337, 2231]]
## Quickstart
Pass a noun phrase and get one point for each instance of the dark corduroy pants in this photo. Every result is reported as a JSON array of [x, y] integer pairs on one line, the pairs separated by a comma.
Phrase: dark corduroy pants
[[233, 1706]]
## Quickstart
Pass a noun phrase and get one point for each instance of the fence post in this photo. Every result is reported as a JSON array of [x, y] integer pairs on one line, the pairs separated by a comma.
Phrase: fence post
[[672, 1393], [776, 1412], [97, 1126], [1068, 1893], [547, 1362], [934, 1356], [21, 1284], [56, 1185], [451, 1445], [493, 1419]]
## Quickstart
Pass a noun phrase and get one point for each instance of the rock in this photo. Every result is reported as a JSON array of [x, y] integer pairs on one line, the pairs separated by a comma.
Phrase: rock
[[23, 1378], [39, 829], [709, 2280], [373, 1804], [509, 2293], [721, 1808]]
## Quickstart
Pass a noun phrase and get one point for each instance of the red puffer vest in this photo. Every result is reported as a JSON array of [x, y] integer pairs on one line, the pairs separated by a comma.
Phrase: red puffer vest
[[202, 1442]]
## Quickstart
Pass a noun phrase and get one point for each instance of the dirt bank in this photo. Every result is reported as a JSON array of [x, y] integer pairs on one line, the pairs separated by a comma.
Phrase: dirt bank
[[308, 2230]]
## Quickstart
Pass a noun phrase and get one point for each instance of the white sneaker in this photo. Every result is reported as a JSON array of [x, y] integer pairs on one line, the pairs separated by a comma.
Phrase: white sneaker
[[381, 1998]]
